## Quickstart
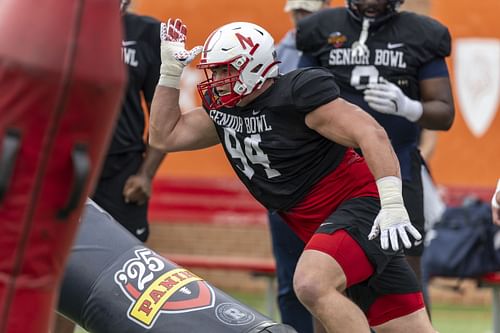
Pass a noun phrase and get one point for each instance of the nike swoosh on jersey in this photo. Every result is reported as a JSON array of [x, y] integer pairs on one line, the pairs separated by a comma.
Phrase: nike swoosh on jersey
[[256, 112], [126, 43], [394, 46], [140, 231], [418, 242]]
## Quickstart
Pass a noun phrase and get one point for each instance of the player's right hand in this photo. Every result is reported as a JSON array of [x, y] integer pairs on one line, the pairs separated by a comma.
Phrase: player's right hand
[[174, 56], [386, 97], [137, 189]]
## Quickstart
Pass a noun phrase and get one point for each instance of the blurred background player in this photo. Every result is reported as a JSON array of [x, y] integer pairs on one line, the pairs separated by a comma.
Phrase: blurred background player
[[287, 247], [124, 186], [392, 65]]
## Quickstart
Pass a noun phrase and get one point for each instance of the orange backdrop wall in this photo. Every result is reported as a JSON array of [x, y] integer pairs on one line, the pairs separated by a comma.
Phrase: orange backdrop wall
[[461, 158]]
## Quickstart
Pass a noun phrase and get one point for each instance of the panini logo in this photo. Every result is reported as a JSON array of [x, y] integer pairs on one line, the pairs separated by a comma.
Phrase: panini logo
[[155, 288]]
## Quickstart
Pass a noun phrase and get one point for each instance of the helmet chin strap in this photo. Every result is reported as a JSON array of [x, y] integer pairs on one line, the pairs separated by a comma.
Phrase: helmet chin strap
[[359, 47], [230, 100]]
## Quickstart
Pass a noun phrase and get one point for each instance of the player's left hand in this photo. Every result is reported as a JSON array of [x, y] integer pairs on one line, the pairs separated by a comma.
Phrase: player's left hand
[[137, 189], [386, 97], [392, 222]]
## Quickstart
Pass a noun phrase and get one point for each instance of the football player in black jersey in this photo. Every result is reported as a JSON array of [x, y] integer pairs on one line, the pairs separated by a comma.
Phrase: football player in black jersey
[[289, 139], [392, 65], [124, 186], [286, 246]]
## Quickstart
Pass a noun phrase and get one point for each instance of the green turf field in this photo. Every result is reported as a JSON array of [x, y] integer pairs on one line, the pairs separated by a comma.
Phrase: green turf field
[[447, 318], [462, 319]]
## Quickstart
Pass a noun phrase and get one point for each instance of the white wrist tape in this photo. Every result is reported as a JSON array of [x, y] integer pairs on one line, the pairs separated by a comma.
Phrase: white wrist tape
[[494, 201], [390, 189], [172, 81], [171, 68]]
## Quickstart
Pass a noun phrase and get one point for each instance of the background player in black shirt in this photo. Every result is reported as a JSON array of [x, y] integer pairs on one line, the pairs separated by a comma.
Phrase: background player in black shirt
[[392, 65], [287, 138], [124, 186]]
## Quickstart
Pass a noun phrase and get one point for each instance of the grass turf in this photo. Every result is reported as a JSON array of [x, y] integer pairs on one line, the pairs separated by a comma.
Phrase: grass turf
[[447, 318]]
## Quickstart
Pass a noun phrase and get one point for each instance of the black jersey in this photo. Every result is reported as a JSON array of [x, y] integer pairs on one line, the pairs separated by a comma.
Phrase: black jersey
[[270, 147], [398, 48], [141, 54]]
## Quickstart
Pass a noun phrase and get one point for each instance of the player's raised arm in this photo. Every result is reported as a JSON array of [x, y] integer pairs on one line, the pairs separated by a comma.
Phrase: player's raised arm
[[350, 126], [170, 129]]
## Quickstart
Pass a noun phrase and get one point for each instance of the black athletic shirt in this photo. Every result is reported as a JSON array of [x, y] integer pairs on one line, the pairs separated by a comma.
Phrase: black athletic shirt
[[398, 49], [141, 55], [270, 147]]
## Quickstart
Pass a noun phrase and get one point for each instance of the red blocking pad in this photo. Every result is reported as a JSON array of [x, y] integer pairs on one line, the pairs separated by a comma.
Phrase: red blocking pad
[[61, 78]]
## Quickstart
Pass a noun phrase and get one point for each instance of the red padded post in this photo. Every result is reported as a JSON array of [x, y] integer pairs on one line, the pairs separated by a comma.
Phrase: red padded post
[[61, 78]]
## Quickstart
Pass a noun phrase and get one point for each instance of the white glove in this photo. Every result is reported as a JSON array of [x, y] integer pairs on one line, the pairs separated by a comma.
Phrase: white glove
[[386, 97], [174, 56], [393, 219]]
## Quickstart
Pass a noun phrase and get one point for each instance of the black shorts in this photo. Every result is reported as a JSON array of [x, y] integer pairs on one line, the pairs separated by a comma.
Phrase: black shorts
[[392, 274], [413, 196], [109, 193]]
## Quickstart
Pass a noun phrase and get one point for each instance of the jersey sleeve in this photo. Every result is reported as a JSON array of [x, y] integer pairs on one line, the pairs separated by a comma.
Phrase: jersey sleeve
[[443, 47], [433, 69], [313, 30], [313, 87], [307, 38], [439, 37], [307, 60], [432, 38]]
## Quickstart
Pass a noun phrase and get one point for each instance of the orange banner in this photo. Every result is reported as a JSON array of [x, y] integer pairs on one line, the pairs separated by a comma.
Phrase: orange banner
[[465, 155], [469, 153]]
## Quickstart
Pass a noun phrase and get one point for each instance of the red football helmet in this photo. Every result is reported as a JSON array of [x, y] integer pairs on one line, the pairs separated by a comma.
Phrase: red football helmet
[[245, 47]]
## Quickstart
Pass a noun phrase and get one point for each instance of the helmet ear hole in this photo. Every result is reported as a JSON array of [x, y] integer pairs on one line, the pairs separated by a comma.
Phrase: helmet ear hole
[[256, 69], [239, 88], [238, 63]]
